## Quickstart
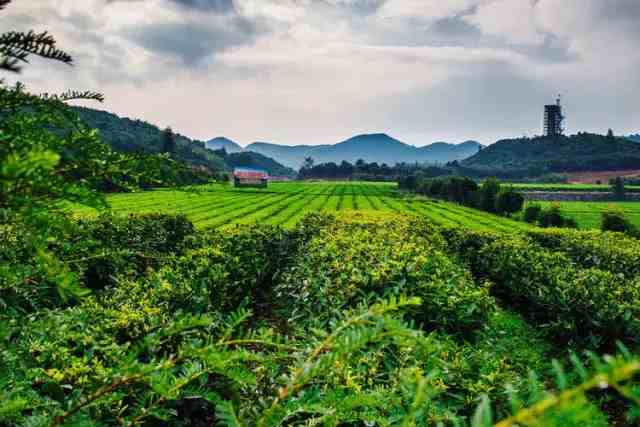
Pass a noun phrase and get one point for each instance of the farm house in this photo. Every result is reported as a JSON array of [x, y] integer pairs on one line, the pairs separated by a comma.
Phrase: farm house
[[250, 177]]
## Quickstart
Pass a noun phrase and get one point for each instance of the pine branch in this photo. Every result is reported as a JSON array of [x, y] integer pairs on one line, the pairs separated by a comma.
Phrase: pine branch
[[3, 3], [15, 48]]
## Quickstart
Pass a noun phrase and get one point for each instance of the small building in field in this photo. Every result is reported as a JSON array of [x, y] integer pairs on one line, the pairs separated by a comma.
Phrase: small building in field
[[250, 177]]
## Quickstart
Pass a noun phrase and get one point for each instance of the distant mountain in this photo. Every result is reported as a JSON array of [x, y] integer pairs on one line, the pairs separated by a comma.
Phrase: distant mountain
[[635, 137], [290, 155], [379, 148], [127, 135], [222, 142], [576, 153]]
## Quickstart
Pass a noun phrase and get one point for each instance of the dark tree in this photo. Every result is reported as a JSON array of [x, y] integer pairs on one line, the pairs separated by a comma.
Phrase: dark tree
[[489, 194], [168, 142], [619, 191], [509, 202], [308, 163], [532, 213]]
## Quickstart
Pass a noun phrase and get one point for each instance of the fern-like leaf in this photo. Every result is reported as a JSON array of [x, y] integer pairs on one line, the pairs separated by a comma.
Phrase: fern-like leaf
[[15, 48], [227, 415]]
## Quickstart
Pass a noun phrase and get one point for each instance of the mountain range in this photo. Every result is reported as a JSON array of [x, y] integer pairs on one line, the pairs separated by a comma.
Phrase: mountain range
[[378, 147]]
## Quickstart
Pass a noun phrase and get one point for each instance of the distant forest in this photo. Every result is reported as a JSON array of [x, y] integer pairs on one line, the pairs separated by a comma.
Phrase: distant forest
[[364, 171], [528, 157]]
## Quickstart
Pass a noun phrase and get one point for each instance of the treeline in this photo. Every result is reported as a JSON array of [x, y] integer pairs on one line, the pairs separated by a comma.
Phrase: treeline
[[491, 196], [361, 170]]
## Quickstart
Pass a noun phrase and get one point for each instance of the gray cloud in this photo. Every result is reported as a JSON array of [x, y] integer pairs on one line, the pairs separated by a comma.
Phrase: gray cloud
[[217, 6], [194, 42]]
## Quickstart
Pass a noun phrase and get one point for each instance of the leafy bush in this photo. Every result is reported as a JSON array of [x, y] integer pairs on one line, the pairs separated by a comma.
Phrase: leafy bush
[[615, 220], [532, 213], [588, 306], [83, 255], [613, 252], [351, 262], [553, 217], [509, 202]]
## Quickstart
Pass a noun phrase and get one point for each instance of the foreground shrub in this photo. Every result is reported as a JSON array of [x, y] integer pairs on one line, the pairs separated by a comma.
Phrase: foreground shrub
[[351, 262], [84, 255], [183, 370], [588, 306]]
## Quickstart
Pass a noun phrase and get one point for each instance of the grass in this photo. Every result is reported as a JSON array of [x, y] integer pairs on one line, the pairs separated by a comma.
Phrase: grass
[[587, 214], [586, 188], [284, 204]]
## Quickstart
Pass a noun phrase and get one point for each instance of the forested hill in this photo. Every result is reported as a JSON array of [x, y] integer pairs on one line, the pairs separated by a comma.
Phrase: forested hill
[[124, 134], [128, 135], [582, 152]]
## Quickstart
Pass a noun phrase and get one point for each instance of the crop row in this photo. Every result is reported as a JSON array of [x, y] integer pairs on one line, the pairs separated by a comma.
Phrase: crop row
[[559, 286], [217, 205]]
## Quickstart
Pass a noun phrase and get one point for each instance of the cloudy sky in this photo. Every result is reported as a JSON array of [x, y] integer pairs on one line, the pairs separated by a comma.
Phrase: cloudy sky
[[319, 71]]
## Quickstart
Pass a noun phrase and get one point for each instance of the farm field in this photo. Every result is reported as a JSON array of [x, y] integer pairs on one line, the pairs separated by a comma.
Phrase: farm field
[[284, 204], [587, 214], [587, 188]]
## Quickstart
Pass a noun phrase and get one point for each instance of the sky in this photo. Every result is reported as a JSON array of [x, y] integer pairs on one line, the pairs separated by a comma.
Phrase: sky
[[320, 71]]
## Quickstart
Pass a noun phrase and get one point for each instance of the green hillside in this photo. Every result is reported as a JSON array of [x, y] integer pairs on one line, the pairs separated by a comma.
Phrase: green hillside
[[582, 152], [127, 135]]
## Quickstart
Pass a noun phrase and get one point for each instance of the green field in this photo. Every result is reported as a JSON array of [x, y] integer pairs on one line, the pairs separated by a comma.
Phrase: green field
[[587, 214], [586, 188], [284, 204]]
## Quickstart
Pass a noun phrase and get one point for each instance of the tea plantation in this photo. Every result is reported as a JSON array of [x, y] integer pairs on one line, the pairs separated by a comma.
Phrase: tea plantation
[[333, 304], [588, 214], [358, 318], [284, 204]]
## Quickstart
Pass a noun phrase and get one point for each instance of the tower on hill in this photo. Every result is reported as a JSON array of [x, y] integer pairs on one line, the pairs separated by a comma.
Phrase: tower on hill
[[553, 119]]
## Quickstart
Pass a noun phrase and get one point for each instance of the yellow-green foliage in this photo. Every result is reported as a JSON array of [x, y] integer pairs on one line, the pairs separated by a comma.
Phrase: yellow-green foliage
[[352, 261], [614, 252], [340, 320]]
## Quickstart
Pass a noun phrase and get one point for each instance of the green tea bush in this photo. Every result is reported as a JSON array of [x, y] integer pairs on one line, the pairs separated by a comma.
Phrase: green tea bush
[[589, 306], [613, 252], [238, 265], [351, 262], [86, 254]]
